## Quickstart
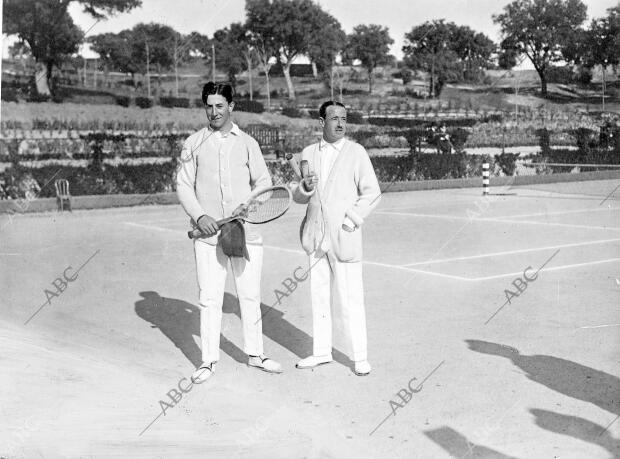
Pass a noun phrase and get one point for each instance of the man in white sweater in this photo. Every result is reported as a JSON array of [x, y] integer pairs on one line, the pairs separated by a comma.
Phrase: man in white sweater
[[340, 191], [220, 166]]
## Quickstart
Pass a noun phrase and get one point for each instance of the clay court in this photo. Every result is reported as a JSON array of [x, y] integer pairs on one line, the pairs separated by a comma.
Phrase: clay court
[[538, 377]]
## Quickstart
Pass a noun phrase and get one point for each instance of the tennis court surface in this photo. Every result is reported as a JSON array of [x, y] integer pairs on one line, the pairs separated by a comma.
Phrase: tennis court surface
[[493, 329]]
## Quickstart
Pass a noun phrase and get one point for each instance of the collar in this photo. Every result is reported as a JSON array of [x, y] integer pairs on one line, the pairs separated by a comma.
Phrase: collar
[[337, 145], [234, 130]]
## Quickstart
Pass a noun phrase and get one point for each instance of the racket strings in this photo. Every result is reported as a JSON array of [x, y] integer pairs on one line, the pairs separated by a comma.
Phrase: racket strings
[[268, 205]]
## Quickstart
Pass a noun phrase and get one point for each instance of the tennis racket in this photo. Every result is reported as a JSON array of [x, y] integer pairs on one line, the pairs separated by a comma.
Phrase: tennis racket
[[263, 205]]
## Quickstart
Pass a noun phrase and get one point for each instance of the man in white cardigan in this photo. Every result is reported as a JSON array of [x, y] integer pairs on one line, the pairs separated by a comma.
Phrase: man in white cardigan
[[220, 166], [341, 190]]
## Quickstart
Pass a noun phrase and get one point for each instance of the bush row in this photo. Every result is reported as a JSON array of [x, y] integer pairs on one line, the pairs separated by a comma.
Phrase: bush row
[[242, 105], [153, 178], [408, 122]]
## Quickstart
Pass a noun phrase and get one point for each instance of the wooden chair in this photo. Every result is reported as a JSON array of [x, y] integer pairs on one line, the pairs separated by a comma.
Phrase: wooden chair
[[62, 194]]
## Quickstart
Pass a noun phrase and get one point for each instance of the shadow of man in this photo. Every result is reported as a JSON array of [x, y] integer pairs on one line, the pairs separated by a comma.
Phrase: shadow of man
[[179, 321], [563, 376], [281, 331], [459, 446], [579, 428]]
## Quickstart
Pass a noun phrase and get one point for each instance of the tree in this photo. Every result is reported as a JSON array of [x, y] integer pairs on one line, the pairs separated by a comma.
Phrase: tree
[[474, 51], [324, 48], [602, 41], [428, 47], [447, 52], [259, 37], [371, 45], [232, 49], [115, 51], [153, 44], [540, 29], [291, 24], [47, 27]]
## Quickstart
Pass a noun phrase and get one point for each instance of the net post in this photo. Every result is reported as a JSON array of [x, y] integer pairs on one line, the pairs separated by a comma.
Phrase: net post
[[485, 177]]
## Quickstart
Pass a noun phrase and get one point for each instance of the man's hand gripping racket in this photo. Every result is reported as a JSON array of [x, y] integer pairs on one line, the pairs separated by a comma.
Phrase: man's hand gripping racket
[[263, 205]]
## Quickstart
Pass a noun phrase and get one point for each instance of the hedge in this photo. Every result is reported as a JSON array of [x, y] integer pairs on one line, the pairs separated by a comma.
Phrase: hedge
[[144, 102], [9, 94], [123, 101], [250, 106], [170, 102], [409, 122], [153, 178]]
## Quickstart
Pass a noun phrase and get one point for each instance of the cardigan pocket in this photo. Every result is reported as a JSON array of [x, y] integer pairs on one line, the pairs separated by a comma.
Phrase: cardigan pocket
[[349, 245]]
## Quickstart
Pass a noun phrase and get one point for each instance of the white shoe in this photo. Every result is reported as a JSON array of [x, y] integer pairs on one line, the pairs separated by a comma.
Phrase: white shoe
[[313, 361], [203, 373], [362, 368], [264, 363]]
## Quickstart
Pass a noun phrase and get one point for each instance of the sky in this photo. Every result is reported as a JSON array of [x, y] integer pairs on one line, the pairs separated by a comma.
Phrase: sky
[[400, 16]]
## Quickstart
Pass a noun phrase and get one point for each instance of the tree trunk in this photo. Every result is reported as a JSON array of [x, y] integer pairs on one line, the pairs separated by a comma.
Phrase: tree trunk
[[369, 80], [432, 79], [249, 62], [543, 81], [315, 73], [43, 78], [289, 83], [176, 78], [158, 80], [603, 86], [266, 68]]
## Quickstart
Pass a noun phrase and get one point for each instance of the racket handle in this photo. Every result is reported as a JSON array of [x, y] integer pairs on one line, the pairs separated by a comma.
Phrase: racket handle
[[304, 168], [196, 233], [293, 164]]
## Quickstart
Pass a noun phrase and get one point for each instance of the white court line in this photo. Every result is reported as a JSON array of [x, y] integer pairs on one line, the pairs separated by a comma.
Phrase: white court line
[[301, 252], [602, 326], [438, 216], [511, 252], [562, 212], [565, 225], [496, 220], [402, 268], [555, 268]]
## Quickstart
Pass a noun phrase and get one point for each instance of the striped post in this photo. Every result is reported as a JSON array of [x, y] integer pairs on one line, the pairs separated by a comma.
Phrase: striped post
[[485, 179]]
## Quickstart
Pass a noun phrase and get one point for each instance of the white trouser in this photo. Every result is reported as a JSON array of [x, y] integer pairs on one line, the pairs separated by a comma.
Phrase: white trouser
[[350, 290], [211, 270]]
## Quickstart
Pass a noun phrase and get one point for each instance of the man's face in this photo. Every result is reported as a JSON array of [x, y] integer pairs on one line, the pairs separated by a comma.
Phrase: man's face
[[335, 123], [218, 111]]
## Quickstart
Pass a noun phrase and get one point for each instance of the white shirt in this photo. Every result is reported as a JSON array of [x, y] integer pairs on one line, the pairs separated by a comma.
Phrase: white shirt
[[329, 153]]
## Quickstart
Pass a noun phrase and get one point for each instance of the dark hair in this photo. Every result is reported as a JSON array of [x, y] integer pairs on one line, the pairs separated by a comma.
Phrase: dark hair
[[223, 89], [324, 105]]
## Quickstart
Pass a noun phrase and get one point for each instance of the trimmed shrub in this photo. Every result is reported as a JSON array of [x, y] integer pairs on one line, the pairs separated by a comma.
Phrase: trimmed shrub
[[198, 103], [426, 167], [586, 139], [9, 94], [144, 102], [458, 137], [507, 162], [591, 156], [170, 102], [250, 106], [292, 112], [123, 101], [353, 117], [36, 97], [544, 140]]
